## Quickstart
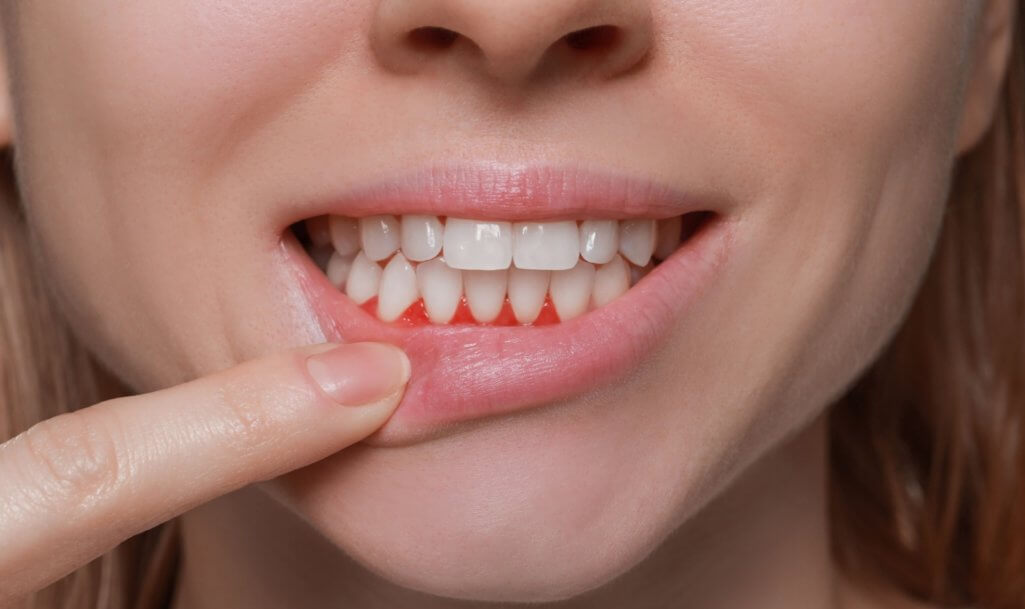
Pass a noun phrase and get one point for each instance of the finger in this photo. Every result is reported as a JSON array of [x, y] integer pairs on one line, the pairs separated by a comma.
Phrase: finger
[[74, 486]]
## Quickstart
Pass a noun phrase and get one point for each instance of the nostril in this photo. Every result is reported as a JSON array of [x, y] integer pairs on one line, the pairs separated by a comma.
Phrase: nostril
[[598, 38], [432, 38]]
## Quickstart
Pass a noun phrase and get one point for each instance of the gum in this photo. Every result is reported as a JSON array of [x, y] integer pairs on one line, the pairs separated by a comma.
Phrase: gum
[[416, 315]]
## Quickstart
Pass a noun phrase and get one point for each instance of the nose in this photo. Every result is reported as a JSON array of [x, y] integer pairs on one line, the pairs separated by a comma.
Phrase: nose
[[513, 41]]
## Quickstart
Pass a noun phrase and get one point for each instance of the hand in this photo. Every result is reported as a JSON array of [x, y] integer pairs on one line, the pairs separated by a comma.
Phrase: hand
[[75, 486]]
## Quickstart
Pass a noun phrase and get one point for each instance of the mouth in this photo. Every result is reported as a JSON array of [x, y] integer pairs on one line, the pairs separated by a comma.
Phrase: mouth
[[508, 288]]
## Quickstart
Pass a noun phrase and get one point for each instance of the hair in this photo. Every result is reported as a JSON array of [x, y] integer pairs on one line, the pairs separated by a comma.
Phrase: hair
[[927, 448]]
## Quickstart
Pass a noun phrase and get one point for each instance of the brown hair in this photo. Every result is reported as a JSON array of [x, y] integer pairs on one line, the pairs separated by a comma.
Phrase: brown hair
[[927, 479], [928, 448]]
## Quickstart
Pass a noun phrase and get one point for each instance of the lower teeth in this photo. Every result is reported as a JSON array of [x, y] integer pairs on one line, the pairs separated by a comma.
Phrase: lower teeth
[[396, 289]]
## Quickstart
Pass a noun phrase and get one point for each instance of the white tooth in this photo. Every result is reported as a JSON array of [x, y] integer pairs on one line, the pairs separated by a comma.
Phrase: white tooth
[[637, 240], [319, 231], [599, 240], [364, 279], [610, 282], [441, 287], [527, 291], [546, 246], [344, 234], [477, 245], [668, 237], [338, 269], [571, 290], [421, 237], [398, 289], [379, 236], [485, 293]]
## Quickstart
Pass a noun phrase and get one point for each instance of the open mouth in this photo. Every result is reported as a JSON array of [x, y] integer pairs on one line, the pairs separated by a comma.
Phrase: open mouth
[[418, 269], [509, 287]]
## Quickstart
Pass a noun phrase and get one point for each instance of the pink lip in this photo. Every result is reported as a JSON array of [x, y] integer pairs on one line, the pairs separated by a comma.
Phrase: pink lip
[[462, 373]]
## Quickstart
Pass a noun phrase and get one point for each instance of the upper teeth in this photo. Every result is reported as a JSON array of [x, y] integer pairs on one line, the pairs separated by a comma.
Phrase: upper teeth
[[489, 260]]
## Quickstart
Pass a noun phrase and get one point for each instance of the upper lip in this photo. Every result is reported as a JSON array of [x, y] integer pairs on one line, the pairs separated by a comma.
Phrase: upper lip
[[462, 372], [490, 191]]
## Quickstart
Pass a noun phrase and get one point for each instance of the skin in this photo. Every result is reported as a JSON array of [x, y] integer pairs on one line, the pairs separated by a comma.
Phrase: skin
[[159, 143]]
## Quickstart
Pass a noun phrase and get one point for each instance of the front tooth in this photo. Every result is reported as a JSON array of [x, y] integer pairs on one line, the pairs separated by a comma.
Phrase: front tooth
[[527, 291], [338, 269], [421, 237], [668, 237], [364, 279], [485, 293], [599, 240], [477, 246], [637, 240], [441, 286], [398, 289], [546, 246], [611, 281], [571, 290], [379, 236], [344, 234]]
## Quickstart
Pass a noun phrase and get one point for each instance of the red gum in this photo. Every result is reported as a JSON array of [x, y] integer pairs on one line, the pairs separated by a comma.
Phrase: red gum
[[416, 314]]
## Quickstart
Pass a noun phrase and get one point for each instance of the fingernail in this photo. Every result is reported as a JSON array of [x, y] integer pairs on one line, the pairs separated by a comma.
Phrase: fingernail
[[355, 374]]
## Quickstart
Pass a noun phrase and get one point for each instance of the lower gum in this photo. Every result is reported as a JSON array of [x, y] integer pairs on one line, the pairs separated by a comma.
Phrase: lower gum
[[416, 315]]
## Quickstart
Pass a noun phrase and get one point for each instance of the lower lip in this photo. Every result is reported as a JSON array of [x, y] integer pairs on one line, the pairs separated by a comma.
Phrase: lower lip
[[462, 373]]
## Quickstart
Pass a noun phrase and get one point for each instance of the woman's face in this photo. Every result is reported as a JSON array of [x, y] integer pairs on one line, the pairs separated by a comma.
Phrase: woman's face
[[164, 149]]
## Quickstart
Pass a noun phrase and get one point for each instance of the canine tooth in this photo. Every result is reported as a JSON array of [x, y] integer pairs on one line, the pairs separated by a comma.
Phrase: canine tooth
[[527, 289], [668, 236], [474, 245], [485, 293], [546, 246], [637, 240], [571, 290], [319, 231], [599, 240], [338, 269], [421, 237], [379, 236], [441, 287], [398, 289], [344, 234], [364, 279], [611, 281]]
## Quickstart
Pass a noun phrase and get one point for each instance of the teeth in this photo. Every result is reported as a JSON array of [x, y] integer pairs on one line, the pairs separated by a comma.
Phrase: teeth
[[546, 246], [319, 231], [639, 272], [379, 236], [668, 237], [580, 266], [571, 290], [485, 293], [599, 240], [442, 287], [338, 269], [364, 279], [611, 281], [527, 291], [344, 234], [637, 240], [421, 237], [478, 246], [398, 289]]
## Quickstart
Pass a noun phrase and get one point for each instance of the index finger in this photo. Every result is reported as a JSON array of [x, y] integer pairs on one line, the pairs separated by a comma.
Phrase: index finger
[[76, 485]]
